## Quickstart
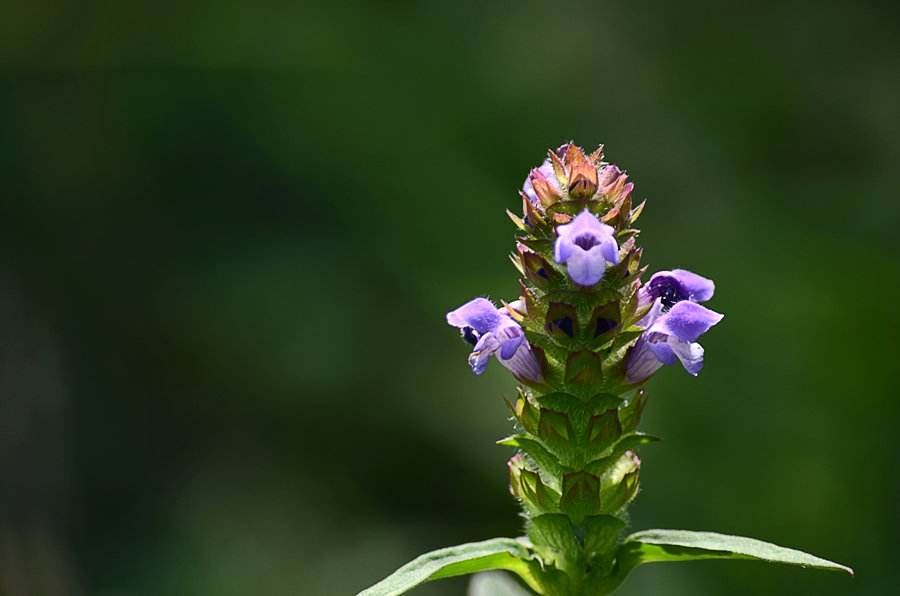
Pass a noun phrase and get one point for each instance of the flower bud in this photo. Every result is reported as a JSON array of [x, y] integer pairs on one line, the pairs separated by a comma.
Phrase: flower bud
[[536, 269], [582, 173], [620, 214], [528, 487], [630, 414], [621, 483], [533, 216], [545, 188], [608, 177], [559, 169], [516, 464]]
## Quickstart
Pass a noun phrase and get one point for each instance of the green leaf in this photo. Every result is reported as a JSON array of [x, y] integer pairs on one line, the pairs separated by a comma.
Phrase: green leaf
[[658, 546], [580, 495], [620, 483], [626, 443], [538, 494], [584, 369], [603, 430], [600, 534], [497, 553], [555, 431], [550, 466], [555, 542], [555, 531], [495, 583], [630, 414], [526, 413]]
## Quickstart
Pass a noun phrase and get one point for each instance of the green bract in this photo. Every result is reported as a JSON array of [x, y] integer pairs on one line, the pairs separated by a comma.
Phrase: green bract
[[576, 469]]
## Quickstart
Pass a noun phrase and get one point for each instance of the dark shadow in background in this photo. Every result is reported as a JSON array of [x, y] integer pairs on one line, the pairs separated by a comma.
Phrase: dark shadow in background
[[230, 235]]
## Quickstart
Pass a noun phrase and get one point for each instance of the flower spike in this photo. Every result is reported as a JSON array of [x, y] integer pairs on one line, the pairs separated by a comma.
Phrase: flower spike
[[582, 339]]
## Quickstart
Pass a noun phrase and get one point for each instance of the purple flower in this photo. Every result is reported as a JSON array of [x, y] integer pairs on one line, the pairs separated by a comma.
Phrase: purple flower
[[493, 332], [586, 245], [677, 285], [673, 324]]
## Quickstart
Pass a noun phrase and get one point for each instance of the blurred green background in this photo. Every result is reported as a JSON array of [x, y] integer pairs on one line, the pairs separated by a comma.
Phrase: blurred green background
[[230, 234]]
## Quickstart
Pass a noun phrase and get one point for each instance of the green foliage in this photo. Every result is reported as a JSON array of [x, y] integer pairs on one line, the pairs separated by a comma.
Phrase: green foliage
[[630, 414], [552, 565], [601, 533], [498, 553], [530, 489], [554, 540], [625, 444], [583, 369], [548, 463], [581, 495], [660, 546], [620, 483]]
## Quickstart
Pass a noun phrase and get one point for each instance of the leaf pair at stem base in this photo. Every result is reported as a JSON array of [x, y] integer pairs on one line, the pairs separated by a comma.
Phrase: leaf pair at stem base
[[649, 546]]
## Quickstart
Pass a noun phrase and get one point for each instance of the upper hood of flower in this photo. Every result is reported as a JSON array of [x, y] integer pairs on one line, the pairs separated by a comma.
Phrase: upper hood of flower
[[676, 286]]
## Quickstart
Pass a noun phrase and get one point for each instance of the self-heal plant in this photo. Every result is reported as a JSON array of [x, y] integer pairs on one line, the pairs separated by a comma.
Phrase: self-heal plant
[[582, 339]]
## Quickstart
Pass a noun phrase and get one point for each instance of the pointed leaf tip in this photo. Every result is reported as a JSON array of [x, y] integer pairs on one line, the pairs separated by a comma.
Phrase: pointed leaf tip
[[656, 546]]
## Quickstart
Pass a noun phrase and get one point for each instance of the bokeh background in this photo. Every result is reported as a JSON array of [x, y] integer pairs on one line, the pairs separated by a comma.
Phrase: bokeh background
[[230, 234]]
